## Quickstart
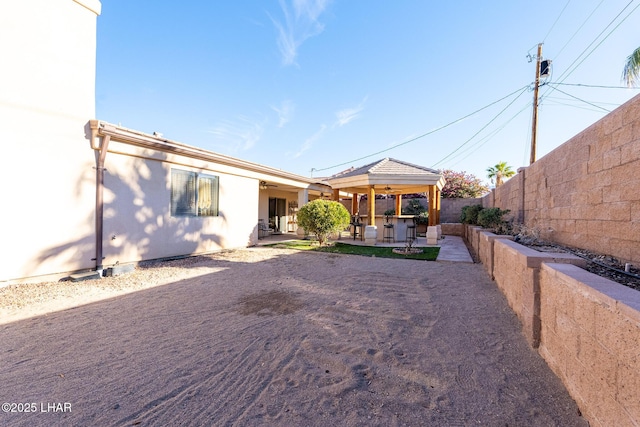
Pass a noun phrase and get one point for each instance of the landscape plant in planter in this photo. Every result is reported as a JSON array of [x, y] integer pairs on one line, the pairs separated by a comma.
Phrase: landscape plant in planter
[[492, 218], [420, 215]]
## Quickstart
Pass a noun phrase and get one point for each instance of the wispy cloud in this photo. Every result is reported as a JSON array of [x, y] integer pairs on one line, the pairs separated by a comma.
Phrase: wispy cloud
[[239, 135], [299, 24], [349, 114], [285, 112], [308, 143]]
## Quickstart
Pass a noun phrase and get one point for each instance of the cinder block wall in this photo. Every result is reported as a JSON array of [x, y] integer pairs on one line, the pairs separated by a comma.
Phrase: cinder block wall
[[586, 192], [451, 209], [590, 336], [587, 328]]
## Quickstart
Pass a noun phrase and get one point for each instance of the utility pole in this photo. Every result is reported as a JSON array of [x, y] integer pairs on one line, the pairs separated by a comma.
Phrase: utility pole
[[534, 121]]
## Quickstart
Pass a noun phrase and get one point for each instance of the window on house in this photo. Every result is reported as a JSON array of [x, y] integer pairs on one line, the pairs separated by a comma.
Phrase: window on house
[[193, 194]]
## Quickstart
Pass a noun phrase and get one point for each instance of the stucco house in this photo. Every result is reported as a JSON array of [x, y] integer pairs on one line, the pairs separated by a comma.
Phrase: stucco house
[[79, 194]]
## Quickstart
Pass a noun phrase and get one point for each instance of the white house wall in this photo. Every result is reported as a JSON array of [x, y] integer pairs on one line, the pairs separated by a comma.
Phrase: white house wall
[[47, 86]]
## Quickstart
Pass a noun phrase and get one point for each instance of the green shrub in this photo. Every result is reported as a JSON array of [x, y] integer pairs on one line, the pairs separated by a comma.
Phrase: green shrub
[[323, 217], [492, 218], [414, 207], [422, 218], [419, 212], [470, 214]]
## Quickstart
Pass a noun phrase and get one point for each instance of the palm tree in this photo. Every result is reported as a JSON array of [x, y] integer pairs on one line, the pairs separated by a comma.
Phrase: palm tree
[[498, 172], [631, 71]]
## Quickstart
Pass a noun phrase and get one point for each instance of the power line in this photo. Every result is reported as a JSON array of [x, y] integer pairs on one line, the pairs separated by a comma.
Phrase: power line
[[593, 86], [605, 38], [579, 28], [570, 70], [481, 129], [427, 133], [582, 100], [556, 21], [472, 149]]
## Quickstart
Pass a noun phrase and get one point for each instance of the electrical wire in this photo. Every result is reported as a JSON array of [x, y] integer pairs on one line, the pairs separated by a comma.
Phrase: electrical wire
[[427, 133], [582, 100], [576, 64], [593, 86], [481, 129], [601, 41], [475, 147], [579, 28], [556, 21]]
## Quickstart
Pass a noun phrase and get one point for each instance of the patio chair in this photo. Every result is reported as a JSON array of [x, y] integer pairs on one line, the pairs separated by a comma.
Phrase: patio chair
[[263, 229]]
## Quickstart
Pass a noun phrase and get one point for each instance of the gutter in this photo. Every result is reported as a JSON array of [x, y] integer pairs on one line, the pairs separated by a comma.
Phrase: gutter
[[164, 145], [102, 149]]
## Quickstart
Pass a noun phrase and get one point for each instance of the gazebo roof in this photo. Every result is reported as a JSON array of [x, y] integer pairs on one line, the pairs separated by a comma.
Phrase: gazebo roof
[[389, 176]]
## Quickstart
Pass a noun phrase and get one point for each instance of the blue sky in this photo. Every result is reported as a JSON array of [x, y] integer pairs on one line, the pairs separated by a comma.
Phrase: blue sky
[[319, 86]]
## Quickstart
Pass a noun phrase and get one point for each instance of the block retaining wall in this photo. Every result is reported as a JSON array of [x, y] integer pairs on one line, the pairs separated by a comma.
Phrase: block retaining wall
[[587, 328]]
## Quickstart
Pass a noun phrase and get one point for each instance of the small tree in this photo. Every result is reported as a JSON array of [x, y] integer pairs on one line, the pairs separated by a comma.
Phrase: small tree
[[499, 172], [323, 217], [462, 185], [631, 71]]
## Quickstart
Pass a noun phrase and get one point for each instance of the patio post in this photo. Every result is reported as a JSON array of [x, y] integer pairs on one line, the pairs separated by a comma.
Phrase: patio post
[[372, 205], [438, 205], [432, 206], [355, 198], [398, 204]]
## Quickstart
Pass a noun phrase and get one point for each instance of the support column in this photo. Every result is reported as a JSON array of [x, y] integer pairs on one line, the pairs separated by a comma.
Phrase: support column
[[336, 195], [371, 231], [438, 205], [303, 199], [432, 205], [354, 204], [372, 205], [398, 204]]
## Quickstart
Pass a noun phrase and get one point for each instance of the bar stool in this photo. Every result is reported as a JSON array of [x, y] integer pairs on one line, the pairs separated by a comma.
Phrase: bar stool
[[410, 235], [389, 233]]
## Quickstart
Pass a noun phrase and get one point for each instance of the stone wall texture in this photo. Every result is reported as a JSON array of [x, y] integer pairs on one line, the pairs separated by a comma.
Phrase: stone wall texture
[[587, 328], [590, 336], [586, 192]]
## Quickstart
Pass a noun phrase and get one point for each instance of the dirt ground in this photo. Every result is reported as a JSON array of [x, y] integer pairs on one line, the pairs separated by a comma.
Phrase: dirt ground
[[268, 336]]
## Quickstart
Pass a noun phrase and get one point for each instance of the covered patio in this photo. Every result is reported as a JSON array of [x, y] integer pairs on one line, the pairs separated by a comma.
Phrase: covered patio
[[391, 177]]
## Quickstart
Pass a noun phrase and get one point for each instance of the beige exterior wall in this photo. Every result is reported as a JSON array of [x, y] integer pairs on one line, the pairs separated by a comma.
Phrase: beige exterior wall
[[47, 85], [137, 214], [585, 193], [49, 168]]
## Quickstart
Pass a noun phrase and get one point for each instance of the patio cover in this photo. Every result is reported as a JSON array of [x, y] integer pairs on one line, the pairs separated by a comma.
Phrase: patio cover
[[391, 176]]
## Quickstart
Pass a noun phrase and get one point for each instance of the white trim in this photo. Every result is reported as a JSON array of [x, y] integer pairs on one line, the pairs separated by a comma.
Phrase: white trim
[[93, 5]]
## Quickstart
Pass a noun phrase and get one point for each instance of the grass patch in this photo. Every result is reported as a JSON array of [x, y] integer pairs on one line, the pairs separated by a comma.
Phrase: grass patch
[[428, 254]]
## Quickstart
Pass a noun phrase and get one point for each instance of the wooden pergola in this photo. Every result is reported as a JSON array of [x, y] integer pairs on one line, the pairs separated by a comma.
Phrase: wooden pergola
[[391, 176]]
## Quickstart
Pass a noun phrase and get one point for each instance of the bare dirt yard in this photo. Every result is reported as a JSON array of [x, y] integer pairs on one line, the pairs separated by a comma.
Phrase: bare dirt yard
[[268, 336]]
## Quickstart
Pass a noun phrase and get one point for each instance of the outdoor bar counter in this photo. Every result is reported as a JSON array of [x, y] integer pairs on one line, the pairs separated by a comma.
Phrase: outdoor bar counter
[[400, 223]]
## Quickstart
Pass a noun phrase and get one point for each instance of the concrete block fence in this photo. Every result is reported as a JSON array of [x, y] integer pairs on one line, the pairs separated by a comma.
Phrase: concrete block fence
[[587, 328]]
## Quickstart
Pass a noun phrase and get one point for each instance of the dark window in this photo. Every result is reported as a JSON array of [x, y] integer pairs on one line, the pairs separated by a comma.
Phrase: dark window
[[193, 194]]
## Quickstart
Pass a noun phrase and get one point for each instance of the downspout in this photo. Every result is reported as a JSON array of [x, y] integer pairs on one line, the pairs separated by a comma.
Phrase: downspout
[[102, 154]]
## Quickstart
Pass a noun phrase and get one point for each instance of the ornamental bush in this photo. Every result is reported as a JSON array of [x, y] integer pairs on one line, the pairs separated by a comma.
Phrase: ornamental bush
[[492, 218], [470, 214], [322, 218]]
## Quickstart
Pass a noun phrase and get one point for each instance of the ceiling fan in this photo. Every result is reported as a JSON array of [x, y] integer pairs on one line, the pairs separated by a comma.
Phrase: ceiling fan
[[264, 185]]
